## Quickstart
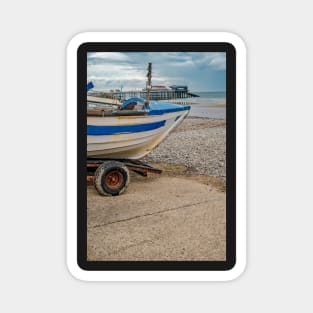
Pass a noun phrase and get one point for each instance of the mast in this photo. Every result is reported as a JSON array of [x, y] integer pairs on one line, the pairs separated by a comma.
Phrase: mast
[[148, 84]]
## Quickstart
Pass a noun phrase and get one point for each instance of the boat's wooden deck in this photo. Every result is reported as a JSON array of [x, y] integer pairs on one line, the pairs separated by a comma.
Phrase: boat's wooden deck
[[103, 100]]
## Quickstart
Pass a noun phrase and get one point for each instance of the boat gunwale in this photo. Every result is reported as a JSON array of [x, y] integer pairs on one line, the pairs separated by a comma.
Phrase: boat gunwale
[[150, 112]]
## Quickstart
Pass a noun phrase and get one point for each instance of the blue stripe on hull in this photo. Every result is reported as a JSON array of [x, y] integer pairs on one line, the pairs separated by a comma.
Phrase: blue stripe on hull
[[122, 129], [168, 110], [157, 107]]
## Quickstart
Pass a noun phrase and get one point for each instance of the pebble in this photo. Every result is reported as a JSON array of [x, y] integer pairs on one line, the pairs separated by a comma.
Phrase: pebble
[[197, 143]]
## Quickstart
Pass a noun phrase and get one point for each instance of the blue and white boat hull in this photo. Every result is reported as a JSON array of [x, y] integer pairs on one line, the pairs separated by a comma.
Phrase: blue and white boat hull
[[132, 137]]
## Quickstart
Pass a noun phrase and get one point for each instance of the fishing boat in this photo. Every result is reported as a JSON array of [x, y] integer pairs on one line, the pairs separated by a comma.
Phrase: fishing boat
[[119, 134], [132, 129], [123, 133]]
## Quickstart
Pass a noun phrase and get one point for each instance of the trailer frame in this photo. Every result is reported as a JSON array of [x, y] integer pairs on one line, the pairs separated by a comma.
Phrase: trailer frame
[[136, 166]]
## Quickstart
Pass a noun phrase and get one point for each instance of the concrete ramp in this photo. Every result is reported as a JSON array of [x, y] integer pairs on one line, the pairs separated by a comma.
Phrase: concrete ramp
[[158, 218]]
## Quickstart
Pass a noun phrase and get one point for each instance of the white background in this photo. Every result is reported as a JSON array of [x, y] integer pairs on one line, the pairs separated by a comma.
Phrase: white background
[[33, 273]]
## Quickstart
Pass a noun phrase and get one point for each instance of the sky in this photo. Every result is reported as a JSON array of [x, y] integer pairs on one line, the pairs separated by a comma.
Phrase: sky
[[200, 71]]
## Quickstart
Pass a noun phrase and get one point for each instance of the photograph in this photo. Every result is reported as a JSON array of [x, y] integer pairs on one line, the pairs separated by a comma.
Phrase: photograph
[[156, 156]]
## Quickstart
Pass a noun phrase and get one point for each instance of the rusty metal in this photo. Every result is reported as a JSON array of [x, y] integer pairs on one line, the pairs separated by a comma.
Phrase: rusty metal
[[114, 179], [143, 168], [134, 165], [90, 178], [96, 165]]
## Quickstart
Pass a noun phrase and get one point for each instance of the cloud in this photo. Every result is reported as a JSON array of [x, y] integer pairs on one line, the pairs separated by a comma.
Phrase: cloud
[[112, 56], [199, 70]]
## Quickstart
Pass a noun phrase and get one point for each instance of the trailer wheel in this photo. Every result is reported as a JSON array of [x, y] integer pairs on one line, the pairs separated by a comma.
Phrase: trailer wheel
[[111, 178]]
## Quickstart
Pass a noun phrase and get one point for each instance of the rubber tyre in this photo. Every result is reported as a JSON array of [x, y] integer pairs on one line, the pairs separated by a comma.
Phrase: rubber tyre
[[111, 178]]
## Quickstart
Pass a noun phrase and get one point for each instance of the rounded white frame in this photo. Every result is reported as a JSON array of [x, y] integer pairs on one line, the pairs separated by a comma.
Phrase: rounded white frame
[[73, 267]]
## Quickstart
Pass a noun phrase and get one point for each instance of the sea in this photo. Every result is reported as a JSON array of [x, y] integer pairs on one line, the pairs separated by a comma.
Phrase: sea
[[209, 104]]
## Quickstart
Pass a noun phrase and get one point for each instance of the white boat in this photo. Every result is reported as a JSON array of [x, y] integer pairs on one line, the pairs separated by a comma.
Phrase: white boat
[[122, 133], [132, 129]]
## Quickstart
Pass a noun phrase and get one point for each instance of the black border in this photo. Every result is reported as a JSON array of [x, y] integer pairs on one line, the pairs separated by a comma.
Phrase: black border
[[230, 157]]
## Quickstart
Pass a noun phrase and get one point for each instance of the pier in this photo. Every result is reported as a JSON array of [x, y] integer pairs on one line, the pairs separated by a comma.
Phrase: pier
[[156, 93]]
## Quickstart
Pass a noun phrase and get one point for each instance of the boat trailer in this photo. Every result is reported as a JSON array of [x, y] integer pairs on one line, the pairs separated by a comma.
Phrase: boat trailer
[[111, 177]]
